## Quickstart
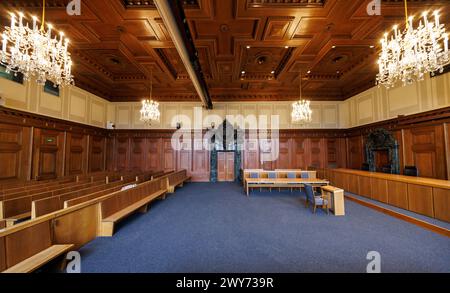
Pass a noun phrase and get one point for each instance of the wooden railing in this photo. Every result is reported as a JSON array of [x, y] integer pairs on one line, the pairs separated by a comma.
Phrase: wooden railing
[[430, 197]]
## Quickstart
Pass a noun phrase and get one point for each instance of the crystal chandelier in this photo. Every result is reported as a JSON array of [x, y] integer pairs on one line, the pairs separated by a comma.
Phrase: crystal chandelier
[[408, 56], [150, 108], [301, 110], [34, 52]]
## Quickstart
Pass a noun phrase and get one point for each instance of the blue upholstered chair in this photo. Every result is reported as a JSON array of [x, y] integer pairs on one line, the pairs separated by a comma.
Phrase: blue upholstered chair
[[271, 175], [254, 175], [291, 175], [314, 199], [304, 175]]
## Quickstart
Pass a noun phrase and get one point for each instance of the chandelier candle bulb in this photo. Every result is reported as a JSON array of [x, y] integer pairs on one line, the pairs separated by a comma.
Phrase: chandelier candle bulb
[[13, 21], [4, 42], [34, 23], [446, 43], [436, 19]]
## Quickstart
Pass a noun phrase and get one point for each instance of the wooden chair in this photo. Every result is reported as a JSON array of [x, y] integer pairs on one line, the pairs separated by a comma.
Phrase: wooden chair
[[272, 175], [315, 200]]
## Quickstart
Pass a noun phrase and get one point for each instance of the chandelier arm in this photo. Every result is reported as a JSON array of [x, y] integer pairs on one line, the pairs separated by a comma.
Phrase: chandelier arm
[[406, 14], [151, 84], [300, 82], [43, 15]]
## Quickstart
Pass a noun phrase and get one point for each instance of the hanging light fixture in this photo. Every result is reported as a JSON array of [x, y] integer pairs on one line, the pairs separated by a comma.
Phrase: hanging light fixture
[[150, 109], [301, 110], [408, 56], [34, 52]]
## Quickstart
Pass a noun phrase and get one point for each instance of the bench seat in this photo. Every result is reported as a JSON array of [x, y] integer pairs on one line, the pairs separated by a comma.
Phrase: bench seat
[[36, 261], [11, 221], [107, 226]]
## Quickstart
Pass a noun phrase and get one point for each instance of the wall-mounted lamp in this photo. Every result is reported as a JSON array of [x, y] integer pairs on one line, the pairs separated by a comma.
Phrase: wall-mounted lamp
[[178, 125]]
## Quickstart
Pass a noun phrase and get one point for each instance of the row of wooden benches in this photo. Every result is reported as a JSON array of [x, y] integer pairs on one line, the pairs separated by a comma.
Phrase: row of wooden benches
[[27, 246], [33, 184], [38, 203]]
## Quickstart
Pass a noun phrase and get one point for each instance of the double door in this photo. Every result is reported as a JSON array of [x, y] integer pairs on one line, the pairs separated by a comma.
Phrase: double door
[[225, 166]]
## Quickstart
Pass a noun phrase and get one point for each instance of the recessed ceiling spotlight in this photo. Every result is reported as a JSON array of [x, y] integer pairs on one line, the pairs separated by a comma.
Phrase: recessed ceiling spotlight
[[248, 47], [334, 47], [309, 71], [242, 72], [338, 72], [286, 47], [372, 46], [273, 72]]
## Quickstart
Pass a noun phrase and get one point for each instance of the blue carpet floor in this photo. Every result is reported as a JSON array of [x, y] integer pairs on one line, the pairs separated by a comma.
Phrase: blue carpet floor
[[207, 227]]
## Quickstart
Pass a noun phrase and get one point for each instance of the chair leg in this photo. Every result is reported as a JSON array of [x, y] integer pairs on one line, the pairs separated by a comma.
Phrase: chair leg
[[314, 209]]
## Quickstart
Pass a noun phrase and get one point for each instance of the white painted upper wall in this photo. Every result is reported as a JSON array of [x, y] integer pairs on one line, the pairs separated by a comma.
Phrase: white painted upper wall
[[378, 103], [73, 103], [375, 104]]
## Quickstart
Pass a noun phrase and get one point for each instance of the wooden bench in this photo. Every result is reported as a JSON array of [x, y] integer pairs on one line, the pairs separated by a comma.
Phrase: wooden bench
[[82, 199], [54, 203], [176, 179], [29, 249], [18, 209], [121, 204], [2, 224]]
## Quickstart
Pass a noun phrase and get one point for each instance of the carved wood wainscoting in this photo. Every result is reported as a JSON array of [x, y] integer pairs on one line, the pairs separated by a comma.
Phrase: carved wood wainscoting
[[33, 146], [297, 149]]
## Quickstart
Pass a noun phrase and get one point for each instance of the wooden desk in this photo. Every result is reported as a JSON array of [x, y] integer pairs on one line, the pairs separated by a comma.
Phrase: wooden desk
[[280, 182], [335, 199], [426, 196]]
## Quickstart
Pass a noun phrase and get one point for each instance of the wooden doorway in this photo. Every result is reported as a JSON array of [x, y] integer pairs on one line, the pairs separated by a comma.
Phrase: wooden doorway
[[225, 166]]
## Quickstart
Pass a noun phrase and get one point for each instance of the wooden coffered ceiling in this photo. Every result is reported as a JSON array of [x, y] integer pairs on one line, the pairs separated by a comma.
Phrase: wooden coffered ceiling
[[117, 45]]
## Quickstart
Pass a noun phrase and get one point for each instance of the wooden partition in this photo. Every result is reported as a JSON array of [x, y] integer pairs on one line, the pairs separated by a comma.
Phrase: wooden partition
[[429, 197]]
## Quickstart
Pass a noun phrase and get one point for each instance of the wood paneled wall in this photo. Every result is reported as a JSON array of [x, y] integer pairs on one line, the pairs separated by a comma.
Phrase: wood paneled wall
[[33, 146], [152, 149], [423, 142], [38, 147]]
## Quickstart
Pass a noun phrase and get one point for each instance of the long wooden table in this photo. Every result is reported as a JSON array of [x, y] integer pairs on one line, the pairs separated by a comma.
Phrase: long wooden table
[[426, 196], [280, 183]]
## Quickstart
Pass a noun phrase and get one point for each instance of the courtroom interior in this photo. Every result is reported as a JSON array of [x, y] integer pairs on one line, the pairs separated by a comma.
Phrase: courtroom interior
[[224, 136]]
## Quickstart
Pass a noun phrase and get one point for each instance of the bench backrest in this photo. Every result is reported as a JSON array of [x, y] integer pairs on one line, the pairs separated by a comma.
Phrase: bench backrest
[[177, 176], [54, 203], [24, 244], [122, 199], [72, 202], [45, 206]]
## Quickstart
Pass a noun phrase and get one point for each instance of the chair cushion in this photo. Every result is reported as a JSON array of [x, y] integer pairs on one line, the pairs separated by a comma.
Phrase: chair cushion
[[254, 175], [291, 175], [320, 201]]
